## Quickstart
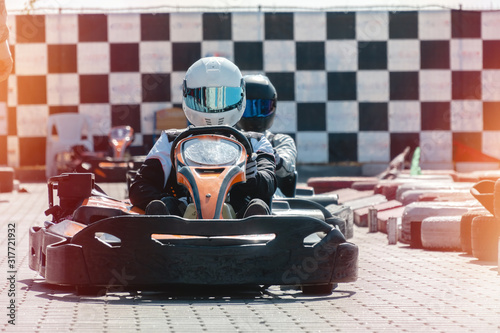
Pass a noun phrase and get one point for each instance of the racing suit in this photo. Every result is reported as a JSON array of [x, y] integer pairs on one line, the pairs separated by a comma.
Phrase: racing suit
[[155, 181], [285, 153]]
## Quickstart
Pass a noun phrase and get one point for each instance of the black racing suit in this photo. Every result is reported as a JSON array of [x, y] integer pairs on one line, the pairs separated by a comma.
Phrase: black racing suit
[[154, 180]]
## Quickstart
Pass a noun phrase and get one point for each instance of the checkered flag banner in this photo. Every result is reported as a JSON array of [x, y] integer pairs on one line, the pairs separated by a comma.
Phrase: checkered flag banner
[[352, 86]]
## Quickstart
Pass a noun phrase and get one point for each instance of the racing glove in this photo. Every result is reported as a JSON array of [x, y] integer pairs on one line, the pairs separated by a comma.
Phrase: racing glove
[[251, 169]]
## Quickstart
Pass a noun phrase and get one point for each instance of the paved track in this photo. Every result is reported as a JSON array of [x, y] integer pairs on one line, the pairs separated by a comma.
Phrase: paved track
[[399, 290]]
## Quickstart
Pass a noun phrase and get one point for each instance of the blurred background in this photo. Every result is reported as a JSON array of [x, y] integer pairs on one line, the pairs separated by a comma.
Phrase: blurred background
[[357, 82]]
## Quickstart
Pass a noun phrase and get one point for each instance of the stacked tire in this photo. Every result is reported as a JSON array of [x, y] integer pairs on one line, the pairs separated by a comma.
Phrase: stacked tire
[[485, 231], [441, 233], [466, 226]]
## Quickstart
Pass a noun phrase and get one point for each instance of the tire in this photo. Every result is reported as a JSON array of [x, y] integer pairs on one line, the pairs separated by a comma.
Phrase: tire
[[441, 233], [465, 228], [417, 211], [320, 289], [485, 231]]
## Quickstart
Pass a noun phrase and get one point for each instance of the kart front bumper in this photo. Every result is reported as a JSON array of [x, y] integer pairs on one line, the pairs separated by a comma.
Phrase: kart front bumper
[[139, 260]]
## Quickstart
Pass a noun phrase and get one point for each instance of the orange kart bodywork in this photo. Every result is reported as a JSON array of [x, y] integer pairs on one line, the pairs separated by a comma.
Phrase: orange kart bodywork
[[209, 185], [97, 242]]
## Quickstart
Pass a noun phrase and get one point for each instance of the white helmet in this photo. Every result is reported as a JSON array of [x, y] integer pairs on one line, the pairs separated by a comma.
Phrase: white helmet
[[213, 93]]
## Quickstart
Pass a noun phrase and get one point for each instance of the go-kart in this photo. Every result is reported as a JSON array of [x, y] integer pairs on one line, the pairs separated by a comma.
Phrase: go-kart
[[107, 167], [95, 242]]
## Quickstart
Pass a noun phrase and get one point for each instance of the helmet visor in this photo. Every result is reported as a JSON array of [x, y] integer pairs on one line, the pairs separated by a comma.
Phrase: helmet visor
[[214, 99], [258, 108]]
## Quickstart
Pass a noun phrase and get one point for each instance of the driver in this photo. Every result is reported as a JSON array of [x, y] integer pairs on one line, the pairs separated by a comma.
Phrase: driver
[[259, 117], [213, 94]]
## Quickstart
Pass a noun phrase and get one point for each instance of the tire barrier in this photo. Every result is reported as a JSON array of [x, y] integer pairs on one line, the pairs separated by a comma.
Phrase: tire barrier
[[441, 233], [485, 231], [418, 211], [466, 225]]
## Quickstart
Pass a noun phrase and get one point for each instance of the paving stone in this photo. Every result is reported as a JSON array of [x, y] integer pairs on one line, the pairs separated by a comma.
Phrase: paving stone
[[399, 289]]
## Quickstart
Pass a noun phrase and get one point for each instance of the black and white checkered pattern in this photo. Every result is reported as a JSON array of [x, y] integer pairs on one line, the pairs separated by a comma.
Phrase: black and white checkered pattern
[[352, 86]]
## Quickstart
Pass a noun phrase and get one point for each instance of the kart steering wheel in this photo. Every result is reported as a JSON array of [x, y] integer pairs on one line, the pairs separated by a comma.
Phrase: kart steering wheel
[[222, 130]]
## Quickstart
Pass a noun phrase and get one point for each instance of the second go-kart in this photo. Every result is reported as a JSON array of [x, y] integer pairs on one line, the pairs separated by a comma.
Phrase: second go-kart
[[97, 243], [112, 167]]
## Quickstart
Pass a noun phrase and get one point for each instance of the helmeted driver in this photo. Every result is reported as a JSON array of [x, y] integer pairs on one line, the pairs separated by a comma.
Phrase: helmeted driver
[[213, 94], [259, 116]]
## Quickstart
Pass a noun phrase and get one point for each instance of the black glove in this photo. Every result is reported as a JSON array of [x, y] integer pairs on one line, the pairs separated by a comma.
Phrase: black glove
[[251, 169]]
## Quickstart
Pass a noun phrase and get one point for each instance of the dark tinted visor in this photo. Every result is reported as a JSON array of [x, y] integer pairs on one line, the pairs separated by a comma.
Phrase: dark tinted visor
[[258, 108]]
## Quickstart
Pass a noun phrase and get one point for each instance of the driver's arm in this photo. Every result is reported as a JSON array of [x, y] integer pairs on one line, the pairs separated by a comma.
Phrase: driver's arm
[[264, 184], [265, 180], [148, 184], [151, 179]]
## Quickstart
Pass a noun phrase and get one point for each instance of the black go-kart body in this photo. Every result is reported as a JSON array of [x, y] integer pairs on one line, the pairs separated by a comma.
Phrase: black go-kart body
[[97, 243]]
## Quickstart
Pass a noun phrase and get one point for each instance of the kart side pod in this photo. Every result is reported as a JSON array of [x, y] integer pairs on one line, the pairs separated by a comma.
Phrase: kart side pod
[[71, 188]]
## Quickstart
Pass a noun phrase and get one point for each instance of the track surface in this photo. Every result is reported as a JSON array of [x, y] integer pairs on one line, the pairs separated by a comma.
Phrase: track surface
[[399, 289]]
